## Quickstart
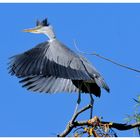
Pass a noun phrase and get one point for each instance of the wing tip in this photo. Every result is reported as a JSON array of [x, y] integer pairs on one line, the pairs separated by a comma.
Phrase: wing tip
[[107, 88]]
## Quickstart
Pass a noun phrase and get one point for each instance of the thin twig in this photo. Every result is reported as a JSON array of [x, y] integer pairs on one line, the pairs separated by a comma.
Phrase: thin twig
[[107, 59], [114, 62]]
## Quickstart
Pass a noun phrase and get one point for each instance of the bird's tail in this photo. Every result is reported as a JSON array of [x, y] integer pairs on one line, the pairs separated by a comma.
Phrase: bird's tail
[[101, 83]]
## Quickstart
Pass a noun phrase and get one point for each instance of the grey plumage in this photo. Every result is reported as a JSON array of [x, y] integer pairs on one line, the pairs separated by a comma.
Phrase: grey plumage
[[51, 67], [48, 84]]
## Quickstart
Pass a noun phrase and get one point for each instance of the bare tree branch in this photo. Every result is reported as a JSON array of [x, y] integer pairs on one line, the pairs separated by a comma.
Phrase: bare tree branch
[[95, 121], [118, 126]]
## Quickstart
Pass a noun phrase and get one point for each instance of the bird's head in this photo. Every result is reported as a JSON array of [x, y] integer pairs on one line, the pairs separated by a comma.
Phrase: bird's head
[[42, 27]]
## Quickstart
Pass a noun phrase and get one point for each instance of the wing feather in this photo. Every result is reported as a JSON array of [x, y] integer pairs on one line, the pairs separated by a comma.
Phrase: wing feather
[[48, 84]]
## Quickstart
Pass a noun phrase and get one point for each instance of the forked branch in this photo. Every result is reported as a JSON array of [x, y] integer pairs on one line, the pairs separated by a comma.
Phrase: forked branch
[[90, 125]]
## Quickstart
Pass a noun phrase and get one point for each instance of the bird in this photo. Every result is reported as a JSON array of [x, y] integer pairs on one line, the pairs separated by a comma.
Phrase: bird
[[52, 67]]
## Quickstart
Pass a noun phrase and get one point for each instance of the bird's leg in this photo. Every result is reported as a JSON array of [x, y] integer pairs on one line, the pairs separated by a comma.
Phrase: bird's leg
[[76, 108], [79, 97], [91, 102], [78, 102]]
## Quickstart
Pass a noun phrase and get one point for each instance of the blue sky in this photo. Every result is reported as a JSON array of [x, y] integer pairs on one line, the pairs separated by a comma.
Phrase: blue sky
[[112, 30]]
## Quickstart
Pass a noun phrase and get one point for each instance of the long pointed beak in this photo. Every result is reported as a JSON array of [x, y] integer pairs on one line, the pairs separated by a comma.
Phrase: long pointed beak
[[32, 30]]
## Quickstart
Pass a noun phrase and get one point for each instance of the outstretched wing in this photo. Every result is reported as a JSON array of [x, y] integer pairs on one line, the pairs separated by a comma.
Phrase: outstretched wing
[[49, 58]]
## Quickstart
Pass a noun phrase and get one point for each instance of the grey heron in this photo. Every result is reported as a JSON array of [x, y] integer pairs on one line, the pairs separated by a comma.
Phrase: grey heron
[[52, 67]]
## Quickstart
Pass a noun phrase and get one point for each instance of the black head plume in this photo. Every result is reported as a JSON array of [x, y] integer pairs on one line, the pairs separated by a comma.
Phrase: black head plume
[[37, 23], [42, 23], [45, 22]]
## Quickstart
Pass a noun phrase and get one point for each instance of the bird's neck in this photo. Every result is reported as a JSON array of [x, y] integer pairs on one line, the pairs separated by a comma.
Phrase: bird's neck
[[50, 33]]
